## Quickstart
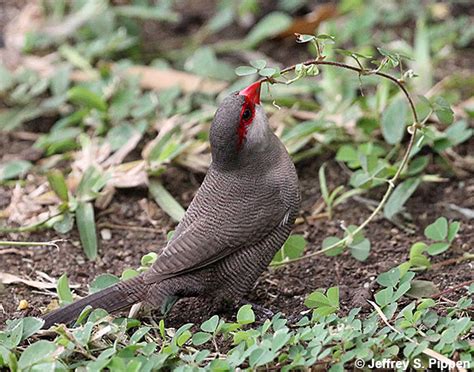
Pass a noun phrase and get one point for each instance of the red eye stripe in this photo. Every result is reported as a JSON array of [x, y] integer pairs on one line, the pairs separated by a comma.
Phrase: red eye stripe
[[244, 121]]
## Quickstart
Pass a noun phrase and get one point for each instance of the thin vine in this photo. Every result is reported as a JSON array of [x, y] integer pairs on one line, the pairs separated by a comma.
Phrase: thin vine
[[392, 181]]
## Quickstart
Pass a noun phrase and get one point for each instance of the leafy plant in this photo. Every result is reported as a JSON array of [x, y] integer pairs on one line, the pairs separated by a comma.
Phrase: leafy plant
[[335, 197], [442, 233]]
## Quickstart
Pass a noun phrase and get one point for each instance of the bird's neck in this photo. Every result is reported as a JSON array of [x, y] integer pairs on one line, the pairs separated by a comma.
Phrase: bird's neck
[[258, 155]]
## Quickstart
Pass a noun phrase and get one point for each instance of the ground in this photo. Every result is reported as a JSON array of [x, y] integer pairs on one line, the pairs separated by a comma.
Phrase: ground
[[137, 226]]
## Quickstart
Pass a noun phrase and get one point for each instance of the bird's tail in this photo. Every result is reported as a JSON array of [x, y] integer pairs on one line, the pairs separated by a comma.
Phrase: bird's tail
[[114, 298]]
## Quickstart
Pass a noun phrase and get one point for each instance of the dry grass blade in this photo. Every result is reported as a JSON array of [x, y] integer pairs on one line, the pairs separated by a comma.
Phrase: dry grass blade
[[52, 243], [6, 278]]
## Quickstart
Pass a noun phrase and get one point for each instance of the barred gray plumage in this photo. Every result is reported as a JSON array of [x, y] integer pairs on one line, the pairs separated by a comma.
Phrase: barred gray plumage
[[241, 215]]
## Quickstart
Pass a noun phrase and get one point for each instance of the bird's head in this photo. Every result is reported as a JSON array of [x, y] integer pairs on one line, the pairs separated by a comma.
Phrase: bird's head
[[240, 127]]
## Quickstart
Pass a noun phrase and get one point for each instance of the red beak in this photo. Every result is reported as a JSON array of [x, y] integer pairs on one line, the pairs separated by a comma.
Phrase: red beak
[[252, 92]]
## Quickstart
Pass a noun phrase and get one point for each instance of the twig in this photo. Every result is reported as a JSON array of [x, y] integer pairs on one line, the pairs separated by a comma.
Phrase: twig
[[455, 288], [15, 251], [455, 260], [114, 226], [391, 182]]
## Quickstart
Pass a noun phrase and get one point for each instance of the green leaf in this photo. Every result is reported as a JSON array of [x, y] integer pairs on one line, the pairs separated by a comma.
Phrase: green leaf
[[316, 299], [245, 315], [326, 37], [210, 325], [7, 79], [58, 184], [417, 249], [14, 169], [271, 25], [325, 310], [119, 136], [347, 153], [350, 53], [128, 274], [453, 230], [438, 248], [86, 225], [157, 12], [65, 224], [420, 261], [323, 184], [102, 281], [443, 111], [329, 241], [459, 132], [149, 259], [12, 337], [393, 121], [384, 297], [258, 64], [245, 70], [60, 80], [91, 183], [400, 195], [12, 118], [85, 97], [83, 334], [183, 338], [139, 334], [165, 200], [219, 365], [280, 339], [27, 328], [267, 71], [64, 292], [401, 290], [200, 338], [426, 303], [293, 248], [38, 352], [204, 62], [438, 230], [417, 165], [333, 297], [360, 250], [422, 288], [389, 278]]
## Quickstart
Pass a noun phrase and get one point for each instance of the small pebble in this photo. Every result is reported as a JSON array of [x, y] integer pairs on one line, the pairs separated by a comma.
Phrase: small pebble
[[23, 305], [106, 234]]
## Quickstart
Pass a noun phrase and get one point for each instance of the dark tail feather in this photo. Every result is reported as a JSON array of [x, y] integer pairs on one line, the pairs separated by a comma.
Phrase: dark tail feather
[[111, 299]]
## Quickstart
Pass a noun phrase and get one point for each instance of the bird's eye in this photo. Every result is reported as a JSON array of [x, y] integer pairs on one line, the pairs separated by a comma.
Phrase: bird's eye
[[247, 114]]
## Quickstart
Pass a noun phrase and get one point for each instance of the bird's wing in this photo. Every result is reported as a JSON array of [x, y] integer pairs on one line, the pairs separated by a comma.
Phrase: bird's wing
[[239, 218]]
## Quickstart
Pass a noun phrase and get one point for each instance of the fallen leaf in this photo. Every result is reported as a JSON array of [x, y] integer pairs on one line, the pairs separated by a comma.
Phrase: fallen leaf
[[308, 23], [158, 79]]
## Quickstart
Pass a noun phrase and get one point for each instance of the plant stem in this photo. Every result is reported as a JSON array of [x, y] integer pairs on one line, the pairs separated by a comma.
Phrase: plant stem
[[403, 163]]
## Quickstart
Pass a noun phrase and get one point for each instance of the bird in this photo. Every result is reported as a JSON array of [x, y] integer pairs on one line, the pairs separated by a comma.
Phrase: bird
[[240, 217]]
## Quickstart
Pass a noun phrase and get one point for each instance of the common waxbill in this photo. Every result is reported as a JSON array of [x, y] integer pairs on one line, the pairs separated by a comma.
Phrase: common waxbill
[[241, 215]]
